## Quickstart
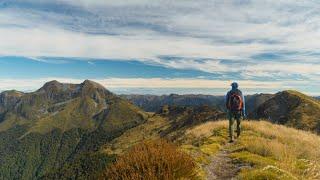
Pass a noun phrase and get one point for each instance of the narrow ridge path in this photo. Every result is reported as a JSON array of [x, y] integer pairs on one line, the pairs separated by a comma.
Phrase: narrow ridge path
[[222, 167]]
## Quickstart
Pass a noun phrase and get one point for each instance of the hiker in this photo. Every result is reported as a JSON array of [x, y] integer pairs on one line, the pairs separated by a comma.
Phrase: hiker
[[235, 104]]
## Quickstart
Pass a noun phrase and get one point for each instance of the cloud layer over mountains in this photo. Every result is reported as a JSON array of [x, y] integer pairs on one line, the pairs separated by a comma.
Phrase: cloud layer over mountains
[[259, 40]]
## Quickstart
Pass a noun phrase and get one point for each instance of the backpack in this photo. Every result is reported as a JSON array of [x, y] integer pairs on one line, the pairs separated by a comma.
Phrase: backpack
[[235, 102]]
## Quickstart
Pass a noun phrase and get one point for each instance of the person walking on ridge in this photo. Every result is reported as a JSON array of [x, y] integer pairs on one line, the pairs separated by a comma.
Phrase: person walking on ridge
[[235, 104]]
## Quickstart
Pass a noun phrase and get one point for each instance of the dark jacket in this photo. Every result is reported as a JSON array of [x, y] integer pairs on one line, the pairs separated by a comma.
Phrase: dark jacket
[[239, 93]]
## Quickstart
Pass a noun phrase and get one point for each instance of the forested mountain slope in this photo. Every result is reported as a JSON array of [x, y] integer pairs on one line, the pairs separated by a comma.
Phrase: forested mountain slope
[[57, 125]]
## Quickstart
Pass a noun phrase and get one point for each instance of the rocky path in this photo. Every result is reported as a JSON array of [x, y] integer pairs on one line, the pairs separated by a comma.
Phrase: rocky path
[[222, 167]]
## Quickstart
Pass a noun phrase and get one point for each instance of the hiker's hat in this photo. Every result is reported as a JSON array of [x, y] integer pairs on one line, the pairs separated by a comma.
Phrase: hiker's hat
[[234, 85]]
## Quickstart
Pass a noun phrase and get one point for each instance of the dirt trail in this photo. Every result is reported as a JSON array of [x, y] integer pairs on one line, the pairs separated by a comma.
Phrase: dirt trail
[[222, 167]]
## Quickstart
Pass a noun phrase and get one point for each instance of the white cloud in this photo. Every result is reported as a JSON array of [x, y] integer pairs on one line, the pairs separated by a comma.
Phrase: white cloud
[[167, 85], [49, 41], [144, 30], [181, 83], [56, 42], [96, 3], [114, 83]]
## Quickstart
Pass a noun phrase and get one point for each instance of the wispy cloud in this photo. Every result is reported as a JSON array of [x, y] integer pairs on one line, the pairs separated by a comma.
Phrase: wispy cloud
[[263, 40], [29, 84], [164, 85]]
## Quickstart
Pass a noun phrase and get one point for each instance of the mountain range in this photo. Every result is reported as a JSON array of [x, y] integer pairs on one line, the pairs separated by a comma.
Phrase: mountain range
[[60, 124], [287, 107], [73, 131], [153, 103]]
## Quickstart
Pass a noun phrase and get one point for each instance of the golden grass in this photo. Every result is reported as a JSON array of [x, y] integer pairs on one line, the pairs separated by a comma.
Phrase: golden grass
[[203, 142], [148, 130], [296, 151], [273, 150], [206, 128], [152, 160]]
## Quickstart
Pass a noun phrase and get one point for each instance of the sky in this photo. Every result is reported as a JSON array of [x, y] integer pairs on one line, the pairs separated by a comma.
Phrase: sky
[[162, 47]]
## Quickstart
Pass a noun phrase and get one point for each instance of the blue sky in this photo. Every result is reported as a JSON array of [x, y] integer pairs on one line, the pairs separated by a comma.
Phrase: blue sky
[[162, 47]]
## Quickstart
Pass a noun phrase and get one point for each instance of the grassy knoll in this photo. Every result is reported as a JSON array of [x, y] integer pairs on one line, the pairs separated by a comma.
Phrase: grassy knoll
[[271, 151]]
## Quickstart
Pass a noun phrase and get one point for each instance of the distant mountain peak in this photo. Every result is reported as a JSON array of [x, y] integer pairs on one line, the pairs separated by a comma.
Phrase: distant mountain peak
[[52, 85], [9, 98], [12, 93], [292, 108], [92, 84], [56, 90], [64, 121], [93, 89], [294, 93]]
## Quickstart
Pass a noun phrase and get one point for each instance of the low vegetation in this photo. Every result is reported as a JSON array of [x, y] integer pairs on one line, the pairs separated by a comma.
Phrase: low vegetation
[[270, 151], [85, 166], [293, 109], [152, 160], [267, 151]]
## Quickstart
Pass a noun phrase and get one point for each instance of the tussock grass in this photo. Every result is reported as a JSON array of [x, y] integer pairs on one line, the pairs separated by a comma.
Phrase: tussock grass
[[204, 141], [207, 128], [148, 130], [152, 160], [274, 151]]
